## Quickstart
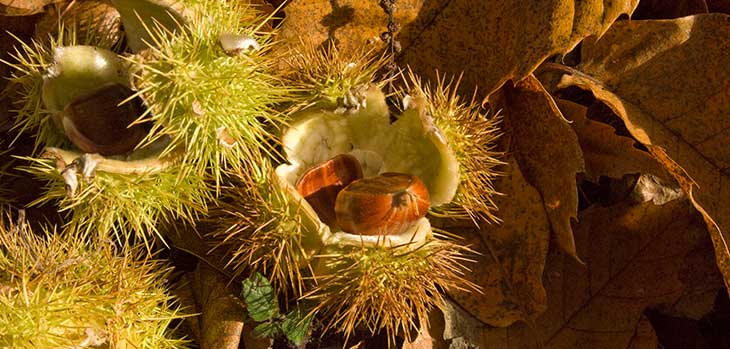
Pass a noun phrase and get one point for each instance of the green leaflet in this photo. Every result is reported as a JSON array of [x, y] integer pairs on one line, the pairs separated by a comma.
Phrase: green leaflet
[[260, 298]]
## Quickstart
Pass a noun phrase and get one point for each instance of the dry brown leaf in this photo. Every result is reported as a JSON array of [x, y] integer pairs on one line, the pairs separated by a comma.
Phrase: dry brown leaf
[[668, 81], [512, 258], [636, 256], [222, 316], [490, 41], [547, 151], [251, 341], [23, 7], [495, 41], [351, 24], [605, 152]]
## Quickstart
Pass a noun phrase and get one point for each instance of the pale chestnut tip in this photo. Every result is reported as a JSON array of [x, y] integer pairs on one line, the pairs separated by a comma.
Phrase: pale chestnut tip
[[235, 44], [101, 122]]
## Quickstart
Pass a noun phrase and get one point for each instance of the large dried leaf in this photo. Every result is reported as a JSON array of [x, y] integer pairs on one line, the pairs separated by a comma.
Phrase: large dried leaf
[[494, 41], [636, 256], [512, 258], [547, 151], [491, 41], [605, 152], [668, 81]]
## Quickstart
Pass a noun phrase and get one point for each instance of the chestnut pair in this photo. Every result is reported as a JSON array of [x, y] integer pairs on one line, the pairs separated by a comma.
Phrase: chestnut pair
[[387, 204]]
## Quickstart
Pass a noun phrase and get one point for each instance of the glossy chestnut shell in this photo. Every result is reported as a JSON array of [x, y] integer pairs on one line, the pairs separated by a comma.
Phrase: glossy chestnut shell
[[388, 204], [100, 123], [320, 184]]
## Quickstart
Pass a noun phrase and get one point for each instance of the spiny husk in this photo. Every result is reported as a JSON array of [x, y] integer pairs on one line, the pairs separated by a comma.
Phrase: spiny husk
[[215, 106], [260, 226], [367, 281], [323, 75], [386, 288], [32, 62], [122, 204], [63, 291], [471, 133]]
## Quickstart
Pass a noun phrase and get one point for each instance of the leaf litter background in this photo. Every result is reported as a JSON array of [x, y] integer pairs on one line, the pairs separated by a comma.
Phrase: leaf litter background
[[616, 121]]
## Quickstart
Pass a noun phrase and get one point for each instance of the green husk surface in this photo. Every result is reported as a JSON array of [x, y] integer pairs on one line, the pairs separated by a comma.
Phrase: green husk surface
[[63, 291], [216, 108]]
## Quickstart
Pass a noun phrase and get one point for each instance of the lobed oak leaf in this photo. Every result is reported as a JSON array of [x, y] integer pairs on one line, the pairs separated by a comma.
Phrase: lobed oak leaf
[[493, 41]]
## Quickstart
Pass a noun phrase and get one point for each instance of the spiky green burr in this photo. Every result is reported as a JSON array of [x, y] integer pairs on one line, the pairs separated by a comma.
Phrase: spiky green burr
[[214, 102], [62, 290], [471, 133], [208, 108]]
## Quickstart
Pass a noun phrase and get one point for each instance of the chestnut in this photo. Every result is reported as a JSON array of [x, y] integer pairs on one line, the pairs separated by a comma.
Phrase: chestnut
[[320, 184], [100, 122], [388, 204]]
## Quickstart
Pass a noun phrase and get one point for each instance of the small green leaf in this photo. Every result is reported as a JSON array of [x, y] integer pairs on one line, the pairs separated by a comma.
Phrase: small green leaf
[[268, 329], [296, 326], [260, 298]]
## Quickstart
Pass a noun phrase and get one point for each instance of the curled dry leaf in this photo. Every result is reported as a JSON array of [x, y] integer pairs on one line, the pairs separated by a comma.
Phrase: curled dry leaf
[[636, 256], [512, 259], [605, 152], [547, 151], [668, 82]]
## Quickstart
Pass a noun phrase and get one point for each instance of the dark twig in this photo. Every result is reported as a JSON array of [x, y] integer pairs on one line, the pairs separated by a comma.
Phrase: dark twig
[[394, 46]]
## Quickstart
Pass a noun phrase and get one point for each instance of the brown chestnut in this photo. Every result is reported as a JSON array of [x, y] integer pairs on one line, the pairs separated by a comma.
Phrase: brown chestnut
[[388, 204], [100, 123], [320, 184]]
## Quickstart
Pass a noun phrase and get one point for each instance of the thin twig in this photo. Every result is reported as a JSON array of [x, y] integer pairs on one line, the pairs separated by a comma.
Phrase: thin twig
[[394, 45]]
